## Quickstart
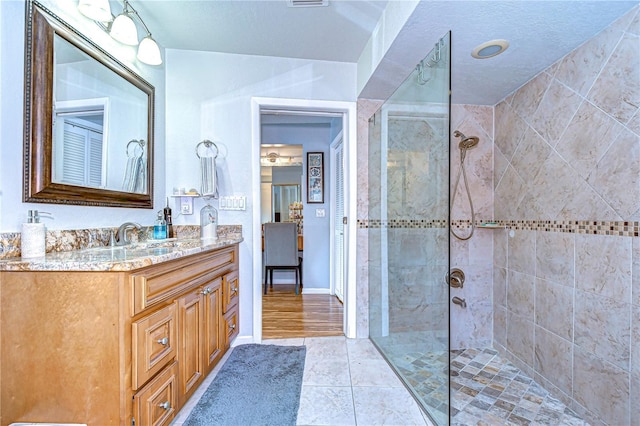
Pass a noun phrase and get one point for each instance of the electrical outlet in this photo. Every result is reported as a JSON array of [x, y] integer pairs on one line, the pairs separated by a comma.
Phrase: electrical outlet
[[186, 205], [320, 212]]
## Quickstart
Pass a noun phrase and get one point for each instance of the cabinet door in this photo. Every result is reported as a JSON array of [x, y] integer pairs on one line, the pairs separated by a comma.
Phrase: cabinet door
[[191, 332], [154, 342], [230, 326], [231, 286], [156, 403], [213, 338]]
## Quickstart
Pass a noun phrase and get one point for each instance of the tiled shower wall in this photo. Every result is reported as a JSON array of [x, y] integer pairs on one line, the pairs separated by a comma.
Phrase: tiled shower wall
[[471, 327], [566, 290]]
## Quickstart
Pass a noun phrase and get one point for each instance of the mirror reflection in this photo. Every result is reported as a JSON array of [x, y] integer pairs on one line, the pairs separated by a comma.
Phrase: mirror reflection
[[96, 115], [89, 120], [281, 183], [284, 201]]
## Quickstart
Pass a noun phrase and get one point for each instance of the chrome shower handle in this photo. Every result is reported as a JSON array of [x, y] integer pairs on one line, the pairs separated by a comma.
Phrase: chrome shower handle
[[455, 282], [455, 278]]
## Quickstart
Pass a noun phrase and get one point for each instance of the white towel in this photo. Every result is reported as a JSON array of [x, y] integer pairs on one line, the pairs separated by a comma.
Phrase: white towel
[[208, 174]]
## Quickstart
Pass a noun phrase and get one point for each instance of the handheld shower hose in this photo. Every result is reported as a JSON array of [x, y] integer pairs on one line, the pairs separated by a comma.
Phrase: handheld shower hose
[[465, 144]]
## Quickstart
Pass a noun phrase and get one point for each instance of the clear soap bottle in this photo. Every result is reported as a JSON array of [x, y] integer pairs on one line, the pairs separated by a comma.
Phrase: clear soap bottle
[[160, 227], [208, 223]]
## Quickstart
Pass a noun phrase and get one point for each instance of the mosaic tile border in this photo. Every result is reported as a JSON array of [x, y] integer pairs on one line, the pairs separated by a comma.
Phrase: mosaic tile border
[[592, 227]]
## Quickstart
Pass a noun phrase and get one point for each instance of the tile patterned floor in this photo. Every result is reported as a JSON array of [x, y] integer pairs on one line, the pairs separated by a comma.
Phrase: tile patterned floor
[[485, 390], [347, 382]]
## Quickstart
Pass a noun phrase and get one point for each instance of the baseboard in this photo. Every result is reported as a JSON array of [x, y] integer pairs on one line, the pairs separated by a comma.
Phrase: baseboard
[[306, 290], [242, 340]]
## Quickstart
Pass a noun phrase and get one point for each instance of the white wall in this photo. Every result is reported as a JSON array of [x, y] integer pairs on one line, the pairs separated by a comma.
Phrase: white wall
[[209, 97], [12, 209]]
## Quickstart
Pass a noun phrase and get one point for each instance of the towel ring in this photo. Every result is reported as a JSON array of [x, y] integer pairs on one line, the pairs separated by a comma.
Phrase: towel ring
[[208, 145], [137, 144]]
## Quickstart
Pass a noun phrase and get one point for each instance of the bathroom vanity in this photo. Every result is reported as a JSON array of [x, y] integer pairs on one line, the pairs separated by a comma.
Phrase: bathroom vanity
[[114, 337]]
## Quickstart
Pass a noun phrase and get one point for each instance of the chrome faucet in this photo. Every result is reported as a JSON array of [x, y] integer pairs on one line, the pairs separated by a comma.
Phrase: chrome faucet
[[122, 237], [459, 301]]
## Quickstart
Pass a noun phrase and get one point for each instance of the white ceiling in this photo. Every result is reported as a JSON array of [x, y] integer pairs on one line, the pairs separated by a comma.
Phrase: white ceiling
[[540, 32]]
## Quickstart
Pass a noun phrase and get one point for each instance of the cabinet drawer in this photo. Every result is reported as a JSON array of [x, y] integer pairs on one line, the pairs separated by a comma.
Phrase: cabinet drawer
[[156, 403], [160, 283], [154, 343], [230, 288], [230, 326]]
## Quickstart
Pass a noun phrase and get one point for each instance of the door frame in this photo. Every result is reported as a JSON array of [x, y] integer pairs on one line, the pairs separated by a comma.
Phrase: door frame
[[339, 139], [349, 121]]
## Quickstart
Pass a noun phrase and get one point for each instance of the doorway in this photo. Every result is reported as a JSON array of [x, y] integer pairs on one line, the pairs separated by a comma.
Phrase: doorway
[[345, 112]]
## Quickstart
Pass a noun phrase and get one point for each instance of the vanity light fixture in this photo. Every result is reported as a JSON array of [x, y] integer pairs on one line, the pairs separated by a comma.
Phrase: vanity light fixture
[[123, 28], [98, 10]]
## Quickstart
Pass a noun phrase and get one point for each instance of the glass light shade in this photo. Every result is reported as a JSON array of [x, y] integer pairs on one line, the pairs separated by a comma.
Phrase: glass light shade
[[98, 10], [124, 30], [149, 52]]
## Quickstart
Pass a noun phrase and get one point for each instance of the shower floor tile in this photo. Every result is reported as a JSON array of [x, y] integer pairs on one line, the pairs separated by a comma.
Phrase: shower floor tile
[[485, 390]]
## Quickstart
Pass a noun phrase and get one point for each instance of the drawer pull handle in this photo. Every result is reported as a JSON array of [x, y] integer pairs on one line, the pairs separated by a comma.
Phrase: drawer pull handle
[[234, 290], [165, 405], [232, 326], [163, 341], [206, 291]]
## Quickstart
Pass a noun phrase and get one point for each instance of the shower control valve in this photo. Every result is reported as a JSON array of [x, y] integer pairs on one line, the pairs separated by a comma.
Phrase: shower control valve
[[455, 278]]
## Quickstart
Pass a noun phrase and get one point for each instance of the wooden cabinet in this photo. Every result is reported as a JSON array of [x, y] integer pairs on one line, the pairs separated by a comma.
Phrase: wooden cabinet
[[109, 348]]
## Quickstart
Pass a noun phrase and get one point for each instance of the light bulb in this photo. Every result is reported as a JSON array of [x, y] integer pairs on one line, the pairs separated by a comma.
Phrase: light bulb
[[98, 10], [149, 52], [124, 30]]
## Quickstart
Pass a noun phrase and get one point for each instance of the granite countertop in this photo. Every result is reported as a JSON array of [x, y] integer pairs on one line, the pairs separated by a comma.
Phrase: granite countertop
[[125, 258]]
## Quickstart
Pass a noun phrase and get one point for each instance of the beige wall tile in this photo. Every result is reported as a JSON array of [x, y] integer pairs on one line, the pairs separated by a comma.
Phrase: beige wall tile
[[617, 89], [553, 185], [520, 294], [601, 387], [522, 251], [603, 265], [587, 138], [509, 129], [555, 257], [617, 175], [530, 154], [553, 359], [602, 327], [554, 308], [579, 69], [520, 337], [500, 325], [528, 98], [554, 113]]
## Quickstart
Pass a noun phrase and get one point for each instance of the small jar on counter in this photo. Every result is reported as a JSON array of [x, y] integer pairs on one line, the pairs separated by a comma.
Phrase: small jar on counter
[[208, 223]]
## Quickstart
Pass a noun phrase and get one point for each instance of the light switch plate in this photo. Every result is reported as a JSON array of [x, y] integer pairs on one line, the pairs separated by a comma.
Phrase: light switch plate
[[233, 202], [320, 212]]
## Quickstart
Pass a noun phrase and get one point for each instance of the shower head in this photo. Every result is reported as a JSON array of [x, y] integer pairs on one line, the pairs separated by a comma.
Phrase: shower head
[[466, 142]]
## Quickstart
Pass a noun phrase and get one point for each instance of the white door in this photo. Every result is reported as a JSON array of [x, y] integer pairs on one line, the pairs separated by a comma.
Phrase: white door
[[337, 157]]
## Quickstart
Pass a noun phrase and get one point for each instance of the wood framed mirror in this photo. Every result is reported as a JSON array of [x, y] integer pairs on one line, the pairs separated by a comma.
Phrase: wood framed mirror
[[88, 120]]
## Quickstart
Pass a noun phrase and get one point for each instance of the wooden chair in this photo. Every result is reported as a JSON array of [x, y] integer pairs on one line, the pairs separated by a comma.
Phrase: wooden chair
[[281, 251]]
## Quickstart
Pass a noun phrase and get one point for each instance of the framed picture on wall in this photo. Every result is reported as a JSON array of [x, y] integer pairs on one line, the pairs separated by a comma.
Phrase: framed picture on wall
[[315, 177]]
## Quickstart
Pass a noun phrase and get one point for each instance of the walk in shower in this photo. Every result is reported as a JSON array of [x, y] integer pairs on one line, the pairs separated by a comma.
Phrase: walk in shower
[[430, 216], [409, 230]]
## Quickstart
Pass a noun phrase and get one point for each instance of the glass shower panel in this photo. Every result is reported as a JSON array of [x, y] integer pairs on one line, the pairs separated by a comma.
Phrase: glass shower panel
[[409, 231]]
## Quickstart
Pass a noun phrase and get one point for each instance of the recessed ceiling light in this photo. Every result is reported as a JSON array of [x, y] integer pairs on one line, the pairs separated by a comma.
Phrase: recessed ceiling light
[[490, 49]]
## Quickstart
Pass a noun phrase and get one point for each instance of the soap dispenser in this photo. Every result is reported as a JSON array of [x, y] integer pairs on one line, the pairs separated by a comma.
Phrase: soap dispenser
[[160, 227], [208, 223], [33, 243]]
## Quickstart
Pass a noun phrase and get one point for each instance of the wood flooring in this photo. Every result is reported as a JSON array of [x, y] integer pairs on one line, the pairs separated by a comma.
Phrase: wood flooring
[[285, 315]]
